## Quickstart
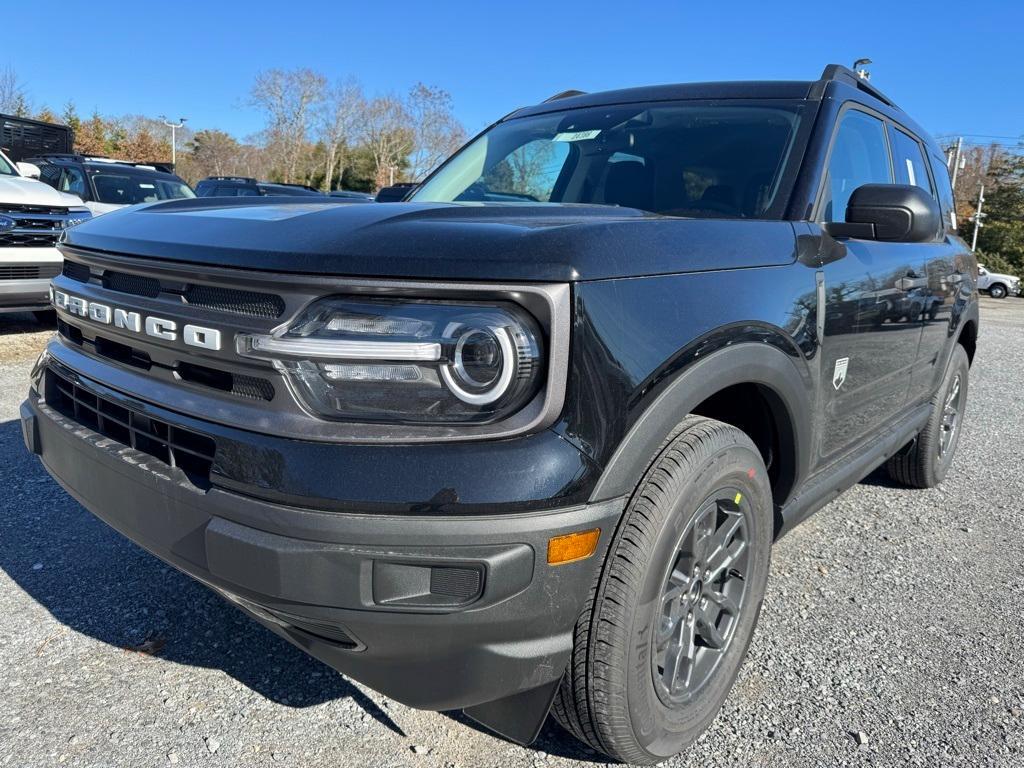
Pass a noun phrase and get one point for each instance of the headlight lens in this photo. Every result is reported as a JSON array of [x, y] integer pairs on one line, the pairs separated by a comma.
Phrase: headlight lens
[[407, 360]]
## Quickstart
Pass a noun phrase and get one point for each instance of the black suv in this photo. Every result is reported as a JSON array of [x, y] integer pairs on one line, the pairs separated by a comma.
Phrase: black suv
[[105, 184], [524, 442], [242, 186]]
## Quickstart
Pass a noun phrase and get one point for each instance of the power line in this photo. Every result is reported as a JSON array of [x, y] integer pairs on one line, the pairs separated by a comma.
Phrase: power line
[[1019, 137]]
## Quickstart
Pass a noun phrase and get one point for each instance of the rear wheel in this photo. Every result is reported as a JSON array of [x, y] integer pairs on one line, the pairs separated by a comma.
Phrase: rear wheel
[[674, 608], [925, 462], [997, 291]]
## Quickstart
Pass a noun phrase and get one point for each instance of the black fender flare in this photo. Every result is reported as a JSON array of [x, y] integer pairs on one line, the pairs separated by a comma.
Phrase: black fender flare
[[746, 363]]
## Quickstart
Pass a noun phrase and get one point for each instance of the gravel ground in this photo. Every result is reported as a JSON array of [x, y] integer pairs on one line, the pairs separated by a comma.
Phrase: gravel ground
[[891, 634]]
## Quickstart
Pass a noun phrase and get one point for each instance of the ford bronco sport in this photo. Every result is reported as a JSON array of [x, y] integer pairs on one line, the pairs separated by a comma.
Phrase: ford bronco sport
[[523, 442]]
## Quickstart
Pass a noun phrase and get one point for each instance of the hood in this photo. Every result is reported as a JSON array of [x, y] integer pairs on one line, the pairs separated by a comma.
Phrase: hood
[[1003, 276], [98, 209], [434, 241], [26, 191]]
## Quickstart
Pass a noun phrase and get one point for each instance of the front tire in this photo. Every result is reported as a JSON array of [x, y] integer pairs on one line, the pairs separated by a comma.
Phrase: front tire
[[925, 462], [997, 291], [674, 608]]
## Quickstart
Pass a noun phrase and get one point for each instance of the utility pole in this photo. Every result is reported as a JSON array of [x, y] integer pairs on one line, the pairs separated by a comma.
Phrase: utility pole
[[956, 161], [978, 216], [174, 127]]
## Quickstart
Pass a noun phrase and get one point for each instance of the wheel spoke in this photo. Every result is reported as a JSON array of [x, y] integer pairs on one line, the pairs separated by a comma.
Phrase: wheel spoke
[[719, 604], [672, 611], [725, 549], [724, 603], [710, 634], [680, 657]]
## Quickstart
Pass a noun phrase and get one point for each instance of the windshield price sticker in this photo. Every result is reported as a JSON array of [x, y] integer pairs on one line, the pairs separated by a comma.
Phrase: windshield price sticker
[[576, 135]]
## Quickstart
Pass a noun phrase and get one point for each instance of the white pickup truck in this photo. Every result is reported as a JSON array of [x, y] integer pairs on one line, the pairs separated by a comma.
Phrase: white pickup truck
[[32, 218]]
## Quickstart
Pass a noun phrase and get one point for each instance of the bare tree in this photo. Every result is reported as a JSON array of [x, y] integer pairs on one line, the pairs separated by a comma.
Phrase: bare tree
[[436, 132], [13, 99], [288, 97], [339, 124], [213, 153], [388, 137]]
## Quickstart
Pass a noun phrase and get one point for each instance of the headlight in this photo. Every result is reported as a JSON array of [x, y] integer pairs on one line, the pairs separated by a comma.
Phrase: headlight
[[406, 360]]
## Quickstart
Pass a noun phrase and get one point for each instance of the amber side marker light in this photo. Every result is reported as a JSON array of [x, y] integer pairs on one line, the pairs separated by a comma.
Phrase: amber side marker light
[[573, 546]]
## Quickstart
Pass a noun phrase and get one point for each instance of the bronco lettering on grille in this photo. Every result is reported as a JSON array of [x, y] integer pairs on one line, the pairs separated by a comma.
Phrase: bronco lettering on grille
[[157, 327]]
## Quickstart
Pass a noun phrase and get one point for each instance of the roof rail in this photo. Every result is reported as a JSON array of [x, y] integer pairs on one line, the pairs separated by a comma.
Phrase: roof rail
[[60, 156], [157, 165], [243, 179], [563, 95], [837, 73]]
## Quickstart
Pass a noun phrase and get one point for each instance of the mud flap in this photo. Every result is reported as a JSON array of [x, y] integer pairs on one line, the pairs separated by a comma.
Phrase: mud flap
[[518, 717]]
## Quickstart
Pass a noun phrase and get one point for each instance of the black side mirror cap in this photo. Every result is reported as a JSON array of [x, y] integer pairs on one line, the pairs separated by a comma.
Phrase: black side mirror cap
[[899, 213]]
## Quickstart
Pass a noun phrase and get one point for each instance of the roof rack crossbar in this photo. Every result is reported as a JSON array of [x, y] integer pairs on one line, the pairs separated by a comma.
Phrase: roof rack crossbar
[[837, 73]]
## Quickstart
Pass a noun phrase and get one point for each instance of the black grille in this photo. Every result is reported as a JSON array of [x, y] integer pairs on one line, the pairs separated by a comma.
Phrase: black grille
[[237, 384], [42, 238], [231, 300], [251, 303], [462, 583], [137, 285], [28, 271], [78, 272], [179, 448]]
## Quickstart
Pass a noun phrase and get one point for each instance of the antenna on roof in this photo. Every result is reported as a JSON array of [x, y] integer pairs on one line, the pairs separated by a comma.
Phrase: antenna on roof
[[858, 67]]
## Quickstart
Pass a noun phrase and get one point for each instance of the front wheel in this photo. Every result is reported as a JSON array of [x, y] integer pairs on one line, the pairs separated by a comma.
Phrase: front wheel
[[674, 608], [997, 291]]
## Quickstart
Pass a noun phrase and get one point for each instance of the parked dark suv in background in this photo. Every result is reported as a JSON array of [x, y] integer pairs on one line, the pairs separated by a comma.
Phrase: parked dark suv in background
[[523, 443], [242, 186], [105, 184]]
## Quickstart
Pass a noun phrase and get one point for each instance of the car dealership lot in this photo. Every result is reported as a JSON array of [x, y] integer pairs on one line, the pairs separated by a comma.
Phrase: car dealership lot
[[891, 635]]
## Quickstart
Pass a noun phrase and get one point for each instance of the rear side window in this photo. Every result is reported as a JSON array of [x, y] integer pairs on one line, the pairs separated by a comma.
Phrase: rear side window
[[860, 155], [945, 193], [910, 163]]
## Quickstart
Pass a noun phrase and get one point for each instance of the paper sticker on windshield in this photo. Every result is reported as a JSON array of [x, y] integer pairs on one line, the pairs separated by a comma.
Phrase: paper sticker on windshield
[[577, 135]]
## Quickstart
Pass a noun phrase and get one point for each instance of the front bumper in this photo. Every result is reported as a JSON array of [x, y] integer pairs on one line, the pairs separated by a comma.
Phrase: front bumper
[[24, 295], [27, 294], [438, 612]]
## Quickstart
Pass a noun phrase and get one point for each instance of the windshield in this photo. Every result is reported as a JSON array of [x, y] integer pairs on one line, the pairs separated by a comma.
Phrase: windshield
[[696, 159], [128, 188], [6, 167]]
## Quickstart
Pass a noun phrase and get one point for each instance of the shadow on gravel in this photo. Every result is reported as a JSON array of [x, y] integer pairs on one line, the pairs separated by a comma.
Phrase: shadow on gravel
[[100, 584], [25, 322], [879, 478], [553, 739]]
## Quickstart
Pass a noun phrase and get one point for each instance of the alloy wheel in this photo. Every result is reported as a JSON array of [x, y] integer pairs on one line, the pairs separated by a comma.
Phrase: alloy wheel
[[950, 416], [702, 597]]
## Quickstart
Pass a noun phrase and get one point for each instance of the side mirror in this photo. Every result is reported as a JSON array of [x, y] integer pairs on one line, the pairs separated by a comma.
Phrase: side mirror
[[29, 169], [899, 213]]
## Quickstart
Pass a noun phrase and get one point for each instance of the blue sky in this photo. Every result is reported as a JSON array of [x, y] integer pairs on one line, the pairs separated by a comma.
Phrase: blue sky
[[956, 67]]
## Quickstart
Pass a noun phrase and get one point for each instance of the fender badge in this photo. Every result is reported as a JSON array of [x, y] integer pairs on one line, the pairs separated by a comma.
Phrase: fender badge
[[839, 375]]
